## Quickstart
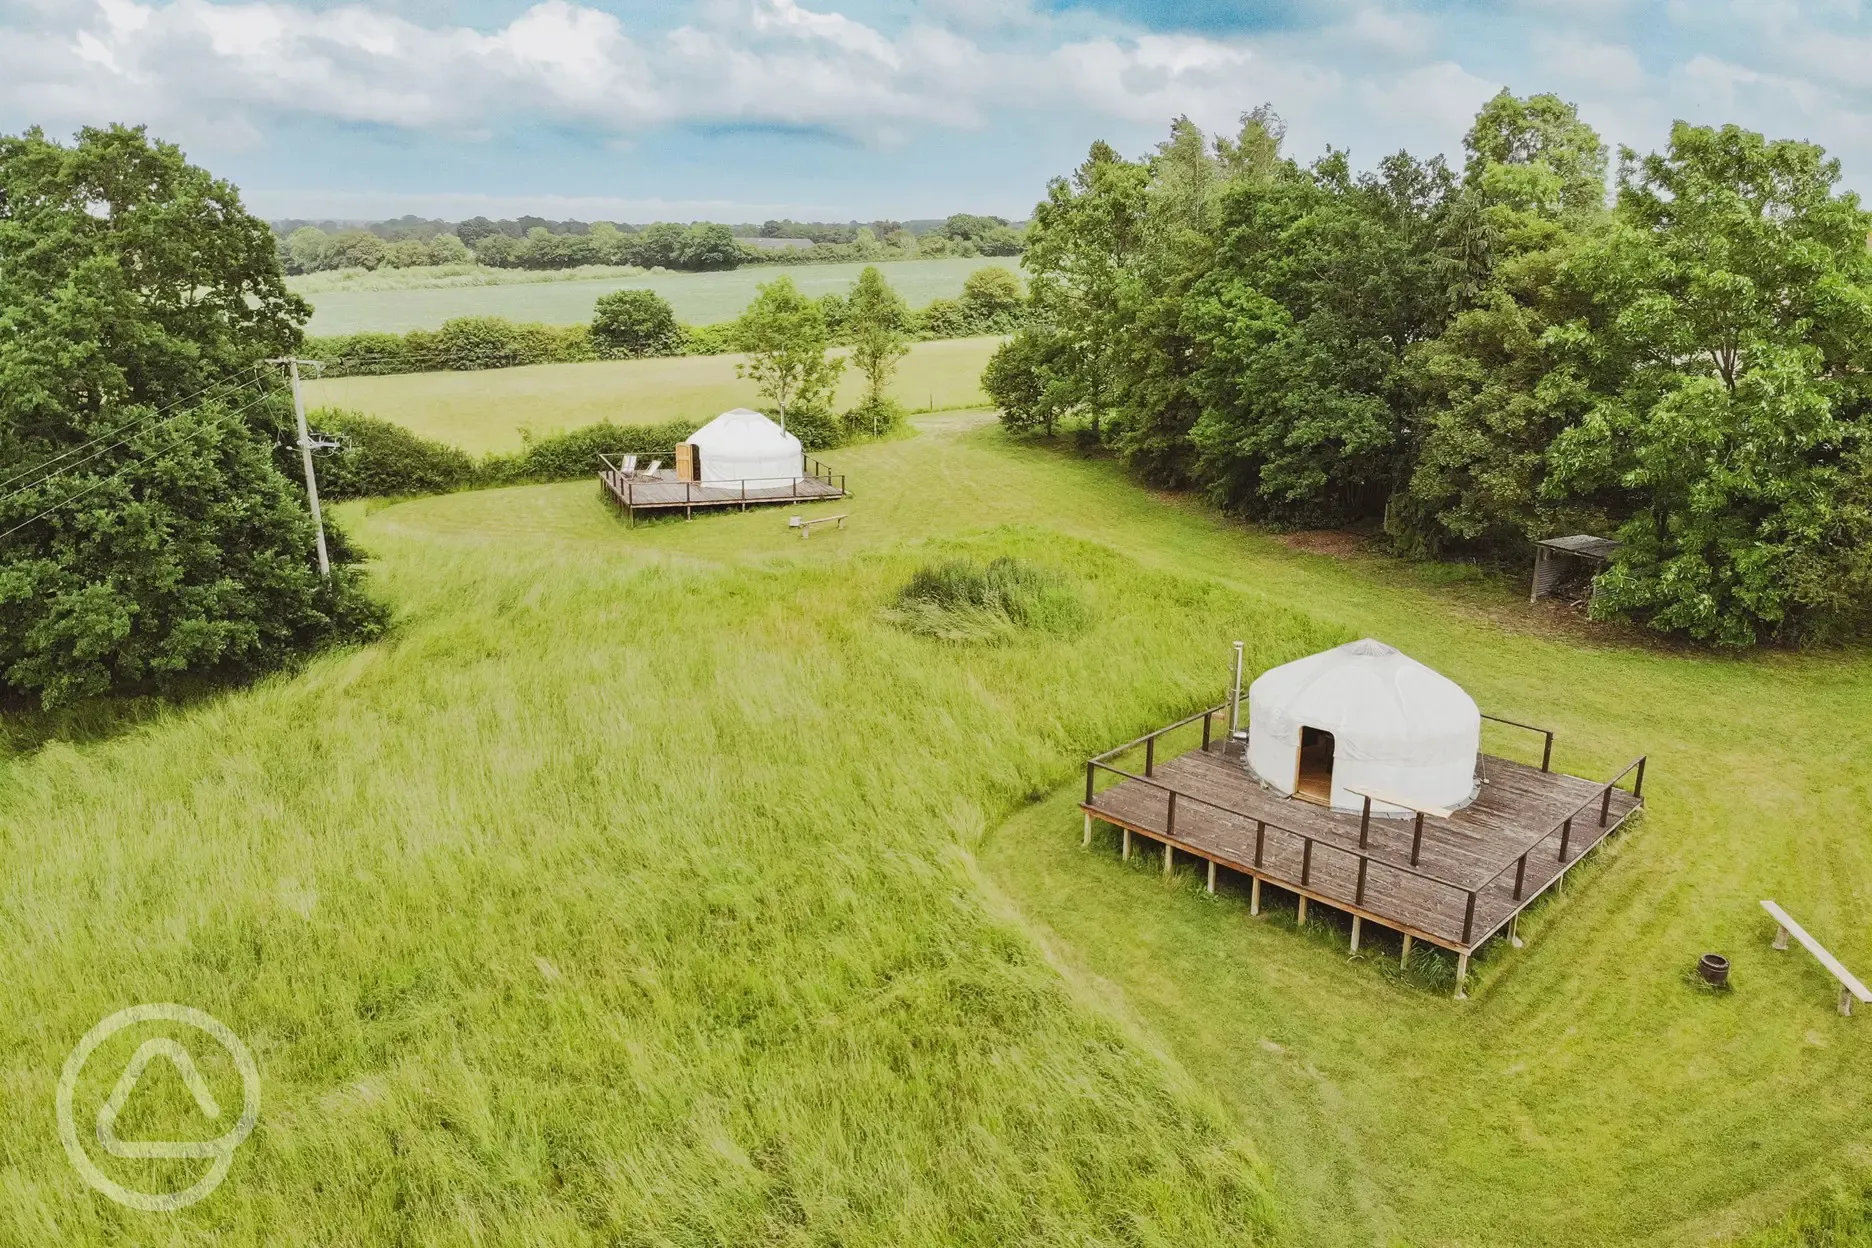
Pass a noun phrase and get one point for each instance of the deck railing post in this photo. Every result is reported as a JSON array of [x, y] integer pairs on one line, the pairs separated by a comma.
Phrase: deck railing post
[[1150, 754], [1306, 861], [1090, 767], [1260, 839], [1170, 817], [1468, 919], [1358, 896], [1605, 806], [1566, 834], [1416, 840], [1637, 789], [1206, 715], [1364, 826], [1520, 875], [1546, 756]]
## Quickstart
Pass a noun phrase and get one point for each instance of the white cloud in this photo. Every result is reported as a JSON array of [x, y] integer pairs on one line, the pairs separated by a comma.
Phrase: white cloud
[[227, 67], [1578, 63], [460, 205]]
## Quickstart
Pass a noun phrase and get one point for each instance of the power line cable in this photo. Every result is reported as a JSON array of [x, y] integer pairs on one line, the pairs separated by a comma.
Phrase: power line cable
[[103, 481], [129, 424]]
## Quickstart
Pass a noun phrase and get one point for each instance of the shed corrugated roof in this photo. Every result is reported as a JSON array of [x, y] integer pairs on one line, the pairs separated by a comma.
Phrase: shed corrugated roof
[[1582, 544]]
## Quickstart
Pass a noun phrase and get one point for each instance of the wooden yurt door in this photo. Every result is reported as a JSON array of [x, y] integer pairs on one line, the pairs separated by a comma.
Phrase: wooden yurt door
[[688, 462]]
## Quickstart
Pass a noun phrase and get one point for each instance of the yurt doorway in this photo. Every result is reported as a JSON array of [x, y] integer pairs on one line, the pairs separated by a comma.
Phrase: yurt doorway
[[1313, 781]]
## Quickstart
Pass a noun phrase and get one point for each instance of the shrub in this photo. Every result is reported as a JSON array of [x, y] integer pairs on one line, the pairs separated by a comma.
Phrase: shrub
[[629, 323], [573, 454], [361, 355], [873, 418], [993, 301], [943, 318], [381, 458], [717, 339], [816, 425], [475, 342], [960, 600]]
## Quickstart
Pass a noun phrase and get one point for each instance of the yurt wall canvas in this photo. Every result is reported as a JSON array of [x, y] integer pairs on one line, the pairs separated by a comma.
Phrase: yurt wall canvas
[[1364, 716], [743, 445]]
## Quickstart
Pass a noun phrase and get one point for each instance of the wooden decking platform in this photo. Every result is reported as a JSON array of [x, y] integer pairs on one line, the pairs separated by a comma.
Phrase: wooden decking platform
[[636, 492], [1453, 882]]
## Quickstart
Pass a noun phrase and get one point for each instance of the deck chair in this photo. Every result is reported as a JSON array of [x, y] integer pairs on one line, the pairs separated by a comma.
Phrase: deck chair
[[627, 466], [656, 466]]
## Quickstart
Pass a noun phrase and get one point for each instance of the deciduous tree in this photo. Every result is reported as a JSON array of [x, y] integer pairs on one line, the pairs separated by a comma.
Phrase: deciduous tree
[[149, 535]]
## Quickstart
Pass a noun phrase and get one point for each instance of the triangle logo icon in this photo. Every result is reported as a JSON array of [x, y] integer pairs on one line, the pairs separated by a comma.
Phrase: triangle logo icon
[[178, 1057]]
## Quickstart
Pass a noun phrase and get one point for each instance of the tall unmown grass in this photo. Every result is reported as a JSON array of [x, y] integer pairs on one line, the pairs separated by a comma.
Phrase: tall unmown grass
[[647, 887], [617, 903]]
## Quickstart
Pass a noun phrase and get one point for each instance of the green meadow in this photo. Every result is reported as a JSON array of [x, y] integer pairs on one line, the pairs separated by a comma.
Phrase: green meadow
[[647, 886], [381, 303], [489, 410]]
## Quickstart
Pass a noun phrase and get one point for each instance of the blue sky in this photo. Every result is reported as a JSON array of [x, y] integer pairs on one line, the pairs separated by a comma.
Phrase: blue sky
[[830, 109]]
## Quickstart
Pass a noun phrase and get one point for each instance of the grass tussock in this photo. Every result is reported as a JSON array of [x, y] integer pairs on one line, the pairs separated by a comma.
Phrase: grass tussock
[[968, 602]]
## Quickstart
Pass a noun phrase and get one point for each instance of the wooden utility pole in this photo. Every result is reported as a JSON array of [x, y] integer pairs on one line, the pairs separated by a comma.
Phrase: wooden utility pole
[[305, 458]]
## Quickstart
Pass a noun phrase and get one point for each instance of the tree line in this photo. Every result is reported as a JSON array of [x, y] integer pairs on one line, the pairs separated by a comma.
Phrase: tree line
[[1481, 358], [631, 324], [534, 243]]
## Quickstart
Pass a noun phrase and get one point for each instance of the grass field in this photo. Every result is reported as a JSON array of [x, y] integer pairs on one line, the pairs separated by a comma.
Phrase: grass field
[[485, 411], [699, 298], [647, 888]]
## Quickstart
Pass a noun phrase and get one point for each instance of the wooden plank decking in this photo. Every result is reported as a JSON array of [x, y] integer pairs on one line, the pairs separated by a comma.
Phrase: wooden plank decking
[[636, 492], [1475, 870]]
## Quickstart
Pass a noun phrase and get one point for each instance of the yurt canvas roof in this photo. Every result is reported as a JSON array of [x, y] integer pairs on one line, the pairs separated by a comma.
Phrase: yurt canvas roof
[[1398, 730], [743, 445], [1379, 701]]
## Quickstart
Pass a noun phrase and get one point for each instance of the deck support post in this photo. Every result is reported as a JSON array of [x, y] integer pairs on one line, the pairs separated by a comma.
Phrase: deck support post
[[1169, 860], [1087, 843], [1127, 844], [1254, 897], [1212, 875], [1355, 932], [1404, 958], [1781, 939], [1514, 933], [1462, 973], [1301, 920], [1846, 1002]]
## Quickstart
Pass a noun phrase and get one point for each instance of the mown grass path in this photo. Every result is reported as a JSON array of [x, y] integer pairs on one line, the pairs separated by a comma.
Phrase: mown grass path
[[645, 888]]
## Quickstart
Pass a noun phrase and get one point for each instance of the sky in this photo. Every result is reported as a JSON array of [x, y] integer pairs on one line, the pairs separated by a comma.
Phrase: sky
[[741, 110]]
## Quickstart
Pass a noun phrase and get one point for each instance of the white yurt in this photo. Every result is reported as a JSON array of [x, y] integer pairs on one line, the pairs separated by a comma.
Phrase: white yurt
[[1364, 716], [741, 445]]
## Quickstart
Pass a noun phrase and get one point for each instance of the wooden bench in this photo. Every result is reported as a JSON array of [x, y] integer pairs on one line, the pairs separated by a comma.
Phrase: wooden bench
[[1850, 988], [805, 523]]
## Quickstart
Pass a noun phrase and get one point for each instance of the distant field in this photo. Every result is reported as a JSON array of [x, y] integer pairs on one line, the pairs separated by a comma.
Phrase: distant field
[[486, 411], [698, 298]]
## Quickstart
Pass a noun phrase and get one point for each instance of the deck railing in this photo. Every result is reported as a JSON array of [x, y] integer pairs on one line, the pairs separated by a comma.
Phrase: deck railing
[[1363, 854], [1546, 750], [625, 484], [1565, 828]]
